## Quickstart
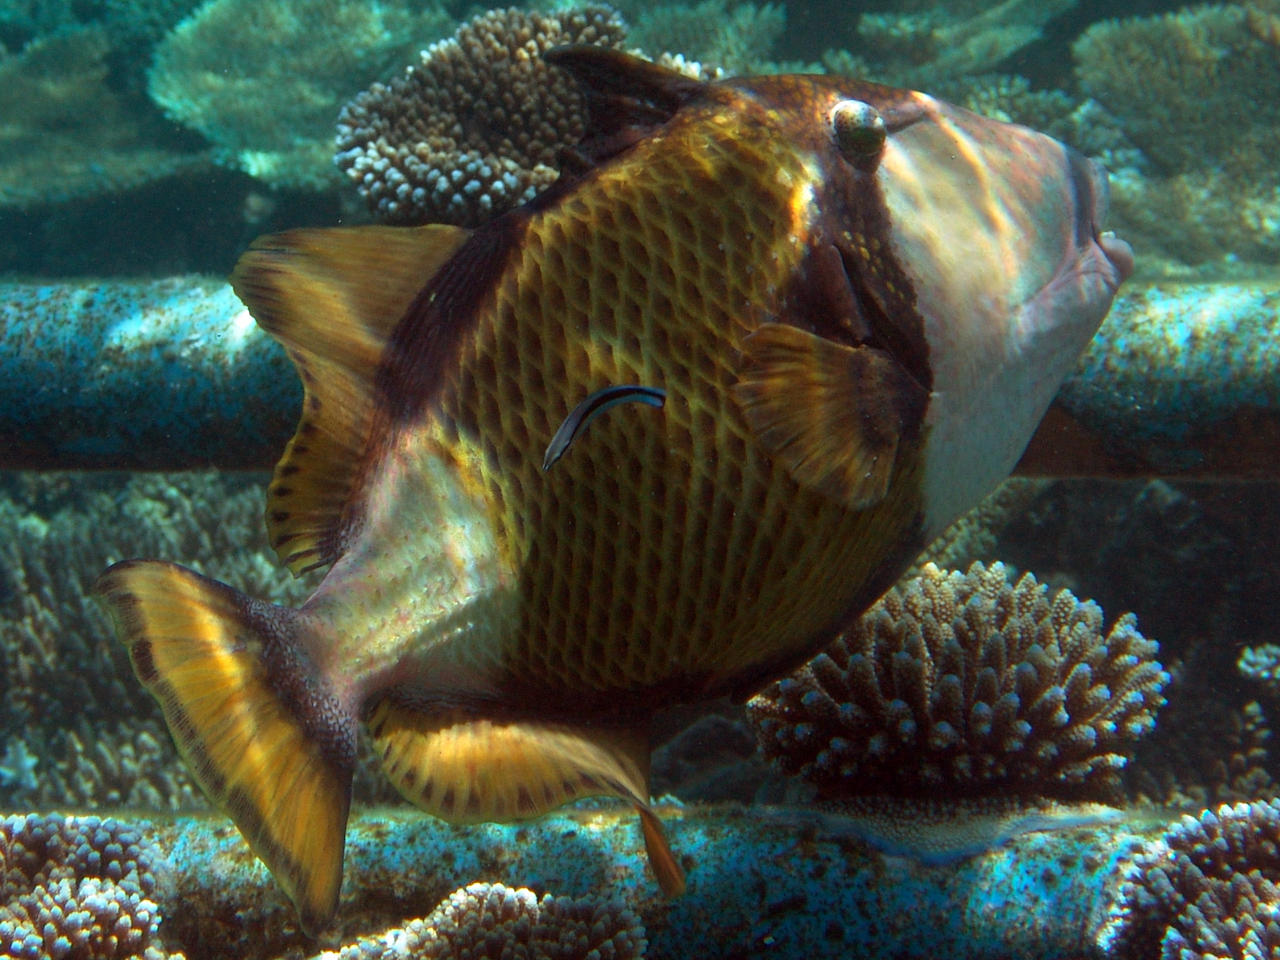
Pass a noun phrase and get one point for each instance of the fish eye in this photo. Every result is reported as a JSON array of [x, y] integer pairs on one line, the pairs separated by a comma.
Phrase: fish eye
[[859, 131]]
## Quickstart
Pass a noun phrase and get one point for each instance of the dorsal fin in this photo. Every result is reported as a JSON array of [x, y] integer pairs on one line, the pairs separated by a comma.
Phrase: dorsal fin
[[627, 97], [332, 297]]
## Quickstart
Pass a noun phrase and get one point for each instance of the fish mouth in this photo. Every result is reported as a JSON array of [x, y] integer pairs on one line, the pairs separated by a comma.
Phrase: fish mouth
[[1092, 202]]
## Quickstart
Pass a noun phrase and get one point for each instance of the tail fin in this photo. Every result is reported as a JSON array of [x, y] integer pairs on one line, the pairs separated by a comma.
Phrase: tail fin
[[260, 729]]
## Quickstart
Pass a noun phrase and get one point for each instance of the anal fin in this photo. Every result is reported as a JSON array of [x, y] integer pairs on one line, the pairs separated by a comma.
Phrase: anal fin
[[260, 734], [833, 414], [469, 769]]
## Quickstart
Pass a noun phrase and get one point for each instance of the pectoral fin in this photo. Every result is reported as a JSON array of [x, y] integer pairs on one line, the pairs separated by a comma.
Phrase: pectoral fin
[[833, 414]]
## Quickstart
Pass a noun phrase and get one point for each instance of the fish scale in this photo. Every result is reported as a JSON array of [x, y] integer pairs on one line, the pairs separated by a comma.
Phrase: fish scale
[[845, 307], [712, 471]]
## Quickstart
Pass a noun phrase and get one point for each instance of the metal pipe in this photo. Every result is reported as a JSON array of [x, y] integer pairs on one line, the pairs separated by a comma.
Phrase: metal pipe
[[165, 374], [1183, 380]]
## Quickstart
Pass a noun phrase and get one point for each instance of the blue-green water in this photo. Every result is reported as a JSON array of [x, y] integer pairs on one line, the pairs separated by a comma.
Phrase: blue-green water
[[144, 145]]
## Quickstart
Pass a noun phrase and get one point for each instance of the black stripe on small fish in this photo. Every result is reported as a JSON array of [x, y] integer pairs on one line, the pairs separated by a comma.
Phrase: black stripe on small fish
[[589, 408]]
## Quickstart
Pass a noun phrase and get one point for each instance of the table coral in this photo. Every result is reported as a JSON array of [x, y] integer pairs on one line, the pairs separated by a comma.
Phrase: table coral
[[67, 133], [736, 37], [493, 920], [263, 79], [1208, 888], [963, 684], [474, 127], [918, 48]]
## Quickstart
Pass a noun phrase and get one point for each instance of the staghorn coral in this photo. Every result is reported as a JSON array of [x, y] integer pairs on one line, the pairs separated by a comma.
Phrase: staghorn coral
[[1207, 889], [80, 888], [263, 79], [1199, 93], [490, 920], [474, 127], [965, 683]]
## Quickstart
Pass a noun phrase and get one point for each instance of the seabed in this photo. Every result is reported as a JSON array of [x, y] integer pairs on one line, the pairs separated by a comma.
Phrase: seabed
[[776, 882]]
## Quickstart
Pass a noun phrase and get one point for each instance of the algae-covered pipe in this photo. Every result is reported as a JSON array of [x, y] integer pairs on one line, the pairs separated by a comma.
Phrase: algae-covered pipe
[[139, 374], [1183, 380], [777, 883]]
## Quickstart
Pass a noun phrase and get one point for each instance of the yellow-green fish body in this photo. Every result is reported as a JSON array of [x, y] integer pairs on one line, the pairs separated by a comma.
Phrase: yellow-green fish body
[[856, 303]]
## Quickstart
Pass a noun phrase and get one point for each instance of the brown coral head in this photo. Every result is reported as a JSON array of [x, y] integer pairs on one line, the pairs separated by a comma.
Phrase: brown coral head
[[963, 684], [1208, 888], [474, 128]]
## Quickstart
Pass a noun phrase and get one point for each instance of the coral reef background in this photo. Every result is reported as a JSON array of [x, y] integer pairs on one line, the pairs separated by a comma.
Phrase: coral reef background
[[158, 137], [179, 129]]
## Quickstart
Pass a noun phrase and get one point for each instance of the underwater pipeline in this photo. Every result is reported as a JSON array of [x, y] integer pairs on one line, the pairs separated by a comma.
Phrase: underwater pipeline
[[1183, 380]]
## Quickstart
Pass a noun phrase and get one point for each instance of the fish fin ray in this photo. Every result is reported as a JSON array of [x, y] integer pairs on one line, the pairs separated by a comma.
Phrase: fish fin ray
[[466, 768], [332, 298], [627, 97], [196, 645], [833, 414]]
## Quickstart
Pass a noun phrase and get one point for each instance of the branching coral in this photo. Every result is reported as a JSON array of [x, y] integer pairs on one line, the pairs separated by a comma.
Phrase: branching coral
[[1205, 751], [474, 127], [489, 920], [966, 684], [71, 699], [1207, 889], [263, 79], [1262, 665], [79, 888]]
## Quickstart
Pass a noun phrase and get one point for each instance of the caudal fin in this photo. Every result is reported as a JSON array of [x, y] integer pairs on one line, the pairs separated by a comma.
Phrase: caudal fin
[[258, 726]]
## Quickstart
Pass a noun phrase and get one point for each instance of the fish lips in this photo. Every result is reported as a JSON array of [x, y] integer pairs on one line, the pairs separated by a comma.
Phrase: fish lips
[[1092, 195]]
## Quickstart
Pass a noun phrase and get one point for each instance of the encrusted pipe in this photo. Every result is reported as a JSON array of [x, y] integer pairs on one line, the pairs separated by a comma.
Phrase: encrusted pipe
[[1183, 380], [763, 882], [139, 375]]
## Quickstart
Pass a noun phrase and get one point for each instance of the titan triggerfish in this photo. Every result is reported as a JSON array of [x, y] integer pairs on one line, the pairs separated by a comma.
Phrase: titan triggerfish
[[844, 308]]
